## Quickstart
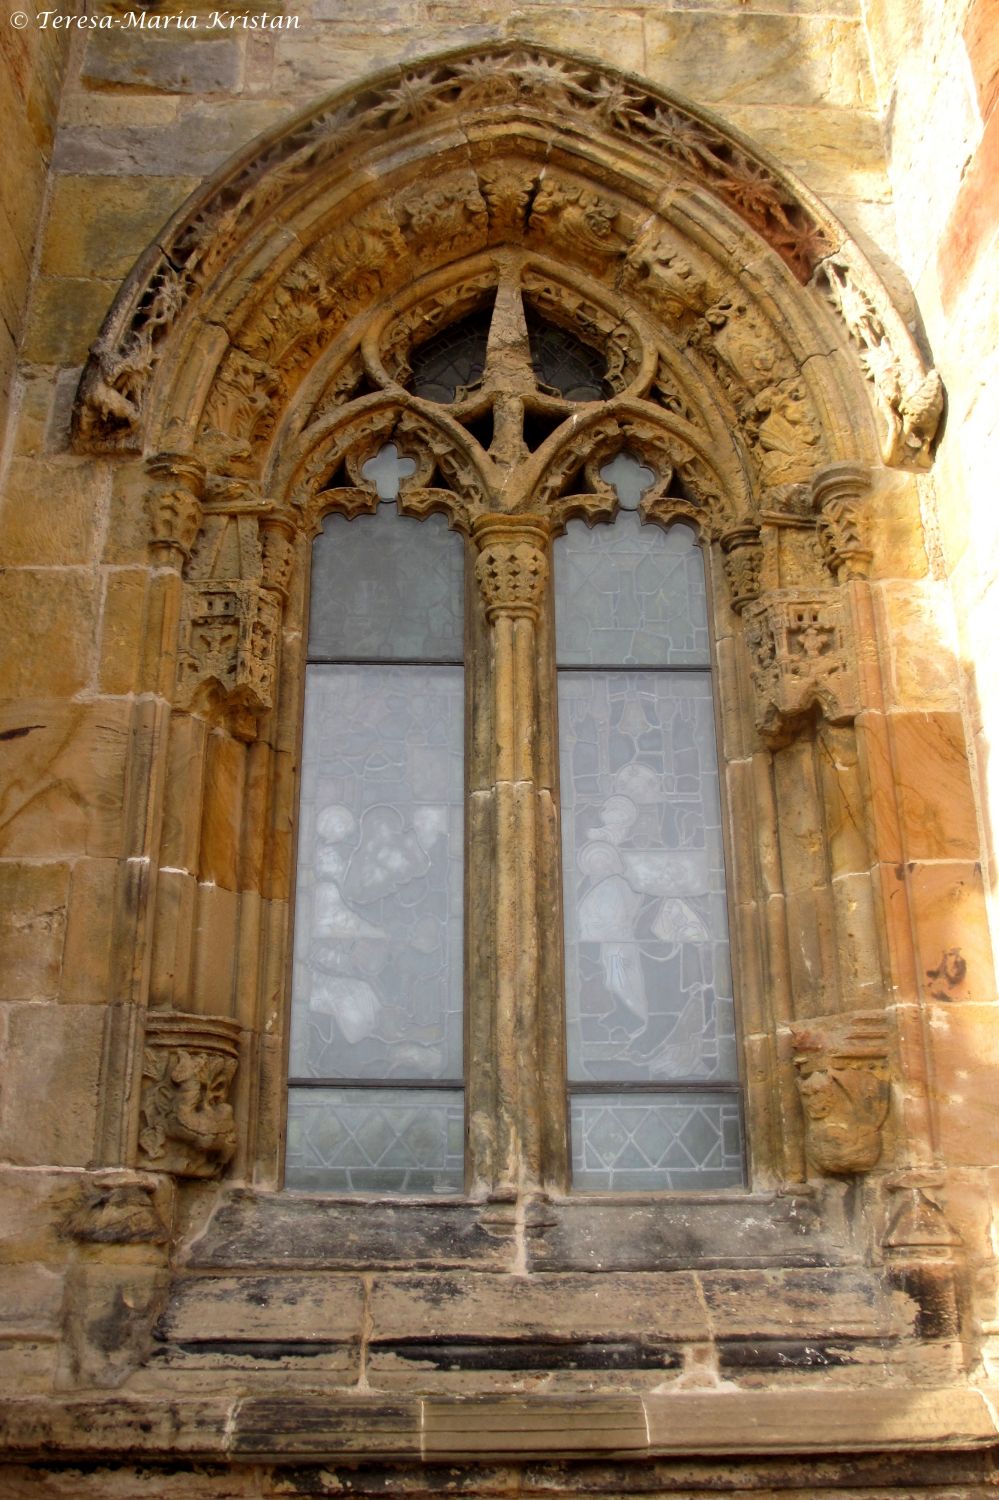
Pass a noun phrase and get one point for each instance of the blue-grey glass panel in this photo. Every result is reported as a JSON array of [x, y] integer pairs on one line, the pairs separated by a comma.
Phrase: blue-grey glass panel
[[377, 982], [386, 587], [375, 1141], [630, 595], [648, 975], [647, 1143]]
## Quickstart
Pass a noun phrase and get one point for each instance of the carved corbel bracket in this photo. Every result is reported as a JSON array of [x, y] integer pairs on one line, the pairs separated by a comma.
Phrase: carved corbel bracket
[[116, 1207], [512, 566], [801, 659], [841, 1066], [174, 507], [188, 1128], [227, 651], [837, 492]]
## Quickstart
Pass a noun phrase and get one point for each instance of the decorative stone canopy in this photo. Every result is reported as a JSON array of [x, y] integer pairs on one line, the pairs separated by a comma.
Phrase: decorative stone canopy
[[654, 199]]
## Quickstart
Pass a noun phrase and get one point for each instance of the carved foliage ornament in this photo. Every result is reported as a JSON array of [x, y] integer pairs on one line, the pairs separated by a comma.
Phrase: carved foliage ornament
[[573, 96], [188, 1127], [227, 651], [841, 1064], [801, 659]]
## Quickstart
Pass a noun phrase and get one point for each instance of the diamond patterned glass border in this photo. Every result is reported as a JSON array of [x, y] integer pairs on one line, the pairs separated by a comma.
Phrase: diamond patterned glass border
[[376, 1141], [625, 1143]]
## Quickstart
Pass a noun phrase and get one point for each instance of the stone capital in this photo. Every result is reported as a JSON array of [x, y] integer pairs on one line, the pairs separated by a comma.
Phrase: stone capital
[[277, 545], [512, 566], [837, 492], [174, 506], [742, 559]]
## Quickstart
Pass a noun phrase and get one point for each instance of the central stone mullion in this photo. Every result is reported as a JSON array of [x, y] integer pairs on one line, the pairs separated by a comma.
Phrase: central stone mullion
[[506, 1143]]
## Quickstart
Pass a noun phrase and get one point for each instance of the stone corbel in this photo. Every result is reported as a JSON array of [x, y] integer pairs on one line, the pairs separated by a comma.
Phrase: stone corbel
[[917, 1225], [227, 651], [188, 1127], [801, 659], [174, 507], [837, 492], [842, 1072]]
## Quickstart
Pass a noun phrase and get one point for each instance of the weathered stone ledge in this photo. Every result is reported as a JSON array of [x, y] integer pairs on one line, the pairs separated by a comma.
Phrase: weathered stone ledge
[[312, 1427], [255, 1230]]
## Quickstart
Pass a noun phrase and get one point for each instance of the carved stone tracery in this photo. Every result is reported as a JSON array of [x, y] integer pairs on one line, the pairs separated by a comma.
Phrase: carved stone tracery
[[702, 382], [589, 222]]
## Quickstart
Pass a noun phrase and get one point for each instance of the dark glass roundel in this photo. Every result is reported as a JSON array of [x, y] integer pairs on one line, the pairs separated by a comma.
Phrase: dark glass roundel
[[564, 363], [452, 360]]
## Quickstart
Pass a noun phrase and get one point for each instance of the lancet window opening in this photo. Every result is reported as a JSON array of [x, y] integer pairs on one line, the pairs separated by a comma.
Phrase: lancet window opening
[[376, 1093]]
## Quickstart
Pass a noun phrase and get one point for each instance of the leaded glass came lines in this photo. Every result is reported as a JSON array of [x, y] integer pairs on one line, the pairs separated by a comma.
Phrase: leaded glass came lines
[[378, 935], [386, 588], [377, 992], [640, 603], [384, 1140], [649, 997], [650, 1143]]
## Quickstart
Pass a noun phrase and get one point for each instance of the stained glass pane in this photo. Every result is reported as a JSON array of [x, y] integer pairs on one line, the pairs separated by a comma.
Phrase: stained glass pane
[[630, 595], [387, 588], [447, 365], [375, 1141], [646, 1142], [648, 979], [629, 478], [377, 989], [564, 363]]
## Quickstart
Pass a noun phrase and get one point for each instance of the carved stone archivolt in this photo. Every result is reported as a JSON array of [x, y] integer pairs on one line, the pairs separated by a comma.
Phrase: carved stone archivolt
[[188, 1127], [427, 215], [841, 1063]]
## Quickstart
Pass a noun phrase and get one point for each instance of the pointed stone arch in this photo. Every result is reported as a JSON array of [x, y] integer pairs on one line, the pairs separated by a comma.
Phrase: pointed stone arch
[[259, 355], [425, 165]]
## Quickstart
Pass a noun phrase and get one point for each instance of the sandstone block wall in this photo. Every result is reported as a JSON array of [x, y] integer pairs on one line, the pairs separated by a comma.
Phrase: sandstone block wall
[[32, 65]]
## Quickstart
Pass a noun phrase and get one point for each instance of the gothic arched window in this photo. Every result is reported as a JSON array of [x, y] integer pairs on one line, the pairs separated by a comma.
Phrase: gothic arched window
[[617, 1071]]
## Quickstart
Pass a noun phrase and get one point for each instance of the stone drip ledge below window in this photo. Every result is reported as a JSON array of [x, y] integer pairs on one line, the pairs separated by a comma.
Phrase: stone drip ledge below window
[[251, 1229]]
